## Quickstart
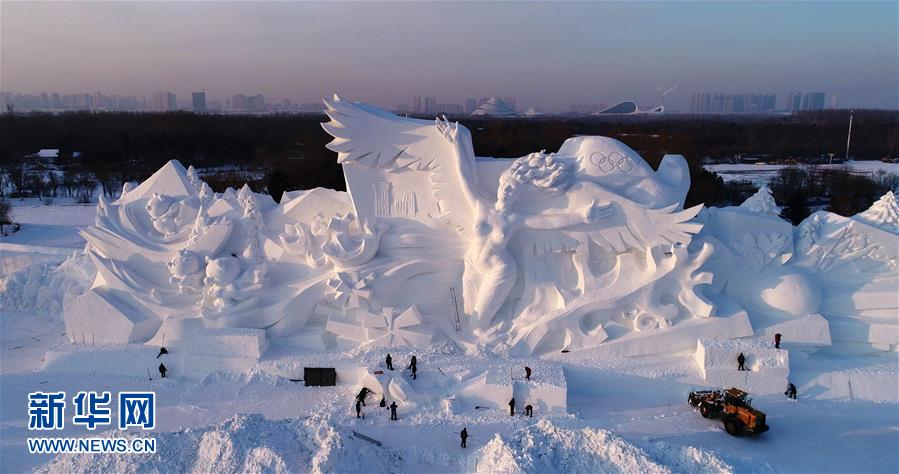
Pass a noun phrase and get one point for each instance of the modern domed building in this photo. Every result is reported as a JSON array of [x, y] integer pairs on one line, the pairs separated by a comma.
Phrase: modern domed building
[[495, 107]]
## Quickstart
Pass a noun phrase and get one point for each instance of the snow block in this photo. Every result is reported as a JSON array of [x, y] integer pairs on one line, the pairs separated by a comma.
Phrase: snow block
[[547, 390], [228, 342], [811, 330], [879, 384], [126, 360], [105, 316], [768, 368]]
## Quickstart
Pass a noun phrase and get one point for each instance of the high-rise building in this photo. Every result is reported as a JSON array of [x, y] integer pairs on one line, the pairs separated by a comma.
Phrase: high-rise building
[[416, 104], [239, 102], [198, 100], [163, 102], [430, 105], [256, 103], [470, 105], [814, 101]]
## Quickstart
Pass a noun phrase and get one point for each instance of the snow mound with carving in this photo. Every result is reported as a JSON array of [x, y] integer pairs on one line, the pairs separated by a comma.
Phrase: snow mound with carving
[[545, 447], [243, 443]]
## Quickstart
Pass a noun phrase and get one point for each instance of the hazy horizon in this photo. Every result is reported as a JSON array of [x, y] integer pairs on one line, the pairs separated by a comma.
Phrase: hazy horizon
[[546, 55]]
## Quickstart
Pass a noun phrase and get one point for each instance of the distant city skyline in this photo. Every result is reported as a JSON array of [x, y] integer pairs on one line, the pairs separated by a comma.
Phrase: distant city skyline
[[547, 56]]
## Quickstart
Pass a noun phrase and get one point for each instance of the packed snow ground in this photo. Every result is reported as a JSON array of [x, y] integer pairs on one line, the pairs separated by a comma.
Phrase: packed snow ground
[[623, 415]]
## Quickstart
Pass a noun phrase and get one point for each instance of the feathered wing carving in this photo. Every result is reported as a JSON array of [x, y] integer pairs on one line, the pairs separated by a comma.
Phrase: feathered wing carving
[[378, 139], [631, 225]]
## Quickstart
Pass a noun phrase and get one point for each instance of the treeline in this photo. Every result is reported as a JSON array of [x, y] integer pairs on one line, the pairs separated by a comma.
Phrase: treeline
[[276, 152]]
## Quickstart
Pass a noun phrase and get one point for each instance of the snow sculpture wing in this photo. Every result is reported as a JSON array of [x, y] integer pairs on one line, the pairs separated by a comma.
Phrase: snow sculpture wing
[[377, 139]]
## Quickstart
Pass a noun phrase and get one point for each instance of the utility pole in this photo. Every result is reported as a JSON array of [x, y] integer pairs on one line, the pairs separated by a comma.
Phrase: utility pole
[[849, 135]]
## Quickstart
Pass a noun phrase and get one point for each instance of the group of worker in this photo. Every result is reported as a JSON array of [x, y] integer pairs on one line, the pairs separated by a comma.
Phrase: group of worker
[[413, 365]]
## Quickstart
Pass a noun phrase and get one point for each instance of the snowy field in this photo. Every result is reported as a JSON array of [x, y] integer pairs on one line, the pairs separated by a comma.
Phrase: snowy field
[[761, 174], [626, 415]]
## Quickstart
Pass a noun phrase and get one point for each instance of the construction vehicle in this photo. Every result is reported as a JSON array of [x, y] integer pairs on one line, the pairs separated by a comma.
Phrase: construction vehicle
[[733, 407]]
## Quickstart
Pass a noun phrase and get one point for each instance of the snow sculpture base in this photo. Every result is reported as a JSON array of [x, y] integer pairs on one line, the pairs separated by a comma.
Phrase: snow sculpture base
[[768, 368], [122, 360], [102, 316]]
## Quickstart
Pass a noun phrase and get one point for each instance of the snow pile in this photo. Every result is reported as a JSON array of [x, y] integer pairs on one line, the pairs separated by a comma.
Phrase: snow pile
[[884, 213], [243, 443], [762, 202], [546, 448], [46, 288], [690, 459]]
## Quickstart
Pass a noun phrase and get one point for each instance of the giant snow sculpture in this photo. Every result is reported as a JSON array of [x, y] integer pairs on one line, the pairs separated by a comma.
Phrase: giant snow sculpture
[[586, 248]]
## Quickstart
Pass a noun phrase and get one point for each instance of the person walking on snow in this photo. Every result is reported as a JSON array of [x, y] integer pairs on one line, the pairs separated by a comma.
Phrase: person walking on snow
[[393, 410], [389, 361], [527, 374], [791, 392], [414, 372], [777, 341], [162, 370], [358, 409], [464, 435], [741, 359], [512, 407], [413, 363]]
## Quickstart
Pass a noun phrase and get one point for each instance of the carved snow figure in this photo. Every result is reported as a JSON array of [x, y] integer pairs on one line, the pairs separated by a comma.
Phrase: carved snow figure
[[168, 214], [490, 272], [221, 274], [186, 271], [884, 213], [256, 267], [762, 202]]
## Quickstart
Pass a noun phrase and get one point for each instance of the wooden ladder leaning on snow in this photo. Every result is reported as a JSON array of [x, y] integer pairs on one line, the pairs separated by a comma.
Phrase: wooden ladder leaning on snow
[[457, 322]]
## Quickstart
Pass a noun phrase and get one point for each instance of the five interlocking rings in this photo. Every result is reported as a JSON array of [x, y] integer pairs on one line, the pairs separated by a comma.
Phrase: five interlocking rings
[[609, 163]]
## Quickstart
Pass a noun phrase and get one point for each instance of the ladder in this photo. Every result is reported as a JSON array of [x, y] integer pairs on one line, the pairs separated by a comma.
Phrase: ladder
[[366, 438], [457, 322]]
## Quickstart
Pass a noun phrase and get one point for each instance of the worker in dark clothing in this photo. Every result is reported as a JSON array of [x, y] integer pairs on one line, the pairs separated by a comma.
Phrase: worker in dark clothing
[[162, 350], [791, 392], [358, 408], [362, 394], [741, 359], [383, 403], [529, 410], [389, 361], [512, 407], [464, 435], [777, 341], [162, 369], [413, 363], [393, 410], [527, 374], [414, 372]]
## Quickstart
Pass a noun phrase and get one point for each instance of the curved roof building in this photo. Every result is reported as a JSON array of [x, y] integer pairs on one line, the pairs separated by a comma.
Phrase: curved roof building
[[629, 108], [495, 108]]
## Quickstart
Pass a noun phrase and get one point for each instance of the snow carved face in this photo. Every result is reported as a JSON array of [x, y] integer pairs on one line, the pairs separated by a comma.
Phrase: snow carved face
[[159, 204], [222, 271], [184, 263]]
